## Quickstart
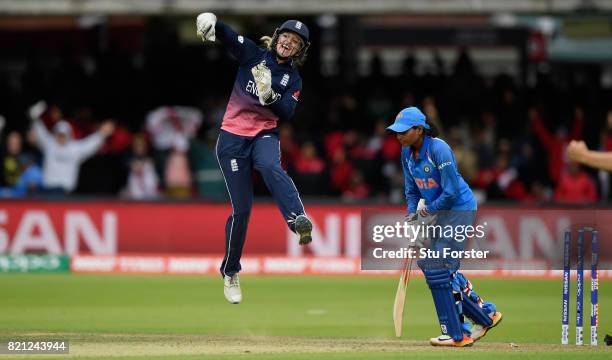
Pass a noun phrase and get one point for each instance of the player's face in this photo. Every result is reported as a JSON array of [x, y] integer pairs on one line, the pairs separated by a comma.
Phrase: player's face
[[409, 137], [288, 44]]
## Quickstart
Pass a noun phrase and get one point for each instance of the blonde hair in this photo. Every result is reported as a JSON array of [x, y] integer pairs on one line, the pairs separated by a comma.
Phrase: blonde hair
[[267, 41]]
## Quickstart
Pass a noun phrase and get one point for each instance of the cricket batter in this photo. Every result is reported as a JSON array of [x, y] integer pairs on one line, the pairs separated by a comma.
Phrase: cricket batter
[[266, 90], [430, 172]]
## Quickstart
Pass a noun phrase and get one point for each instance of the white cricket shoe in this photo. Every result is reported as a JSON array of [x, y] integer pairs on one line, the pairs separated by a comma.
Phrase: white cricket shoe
[[231, 289]]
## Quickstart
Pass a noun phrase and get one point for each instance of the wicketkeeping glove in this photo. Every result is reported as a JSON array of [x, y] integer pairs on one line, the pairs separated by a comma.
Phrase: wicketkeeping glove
[[263, 81], [205, 24]]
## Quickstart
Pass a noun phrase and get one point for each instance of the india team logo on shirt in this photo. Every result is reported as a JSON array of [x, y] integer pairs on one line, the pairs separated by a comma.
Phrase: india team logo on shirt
[[426, 183], [427, 169]]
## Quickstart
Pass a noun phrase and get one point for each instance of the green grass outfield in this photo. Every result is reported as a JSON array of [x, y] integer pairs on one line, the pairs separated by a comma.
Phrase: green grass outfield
[[175, 317]]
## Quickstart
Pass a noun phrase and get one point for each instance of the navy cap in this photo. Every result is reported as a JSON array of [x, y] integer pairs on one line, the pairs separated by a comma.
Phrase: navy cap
[[407, 119], [297, 27]]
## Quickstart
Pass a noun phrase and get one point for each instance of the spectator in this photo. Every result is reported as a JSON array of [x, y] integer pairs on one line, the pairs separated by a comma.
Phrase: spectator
[[433, 116], [390, 149], [143, 182], [466, 158], [11, 169], [555, 144], [62, 154], [333, 142], [358, 189], [170, 122], [177, 174], [30, 181], [168, 126], [576, 187], [375, 142], [485, 139], [309, 170], [340, 170]]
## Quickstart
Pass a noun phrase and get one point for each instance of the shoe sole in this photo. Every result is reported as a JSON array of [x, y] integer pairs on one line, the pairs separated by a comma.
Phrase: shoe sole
[[303, 226], [453, 344], [486, 330]]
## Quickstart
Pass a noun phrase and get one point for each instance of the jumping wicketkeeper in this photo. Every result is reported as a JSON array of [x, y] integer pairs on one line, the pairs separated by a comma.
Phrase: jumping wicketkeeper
[[266, 90]]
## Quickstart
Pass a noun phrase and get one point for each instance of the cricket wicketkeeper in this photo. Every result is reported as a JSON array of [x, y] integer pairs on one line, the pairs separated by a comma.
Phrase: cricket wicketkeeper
[[266, 91], [430, 172]]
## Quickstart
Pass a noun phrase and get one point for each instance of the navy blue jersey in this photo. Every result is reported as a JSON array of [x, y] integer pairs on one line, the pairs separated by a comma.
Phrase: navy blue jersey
[[244, 115], [432, 175]]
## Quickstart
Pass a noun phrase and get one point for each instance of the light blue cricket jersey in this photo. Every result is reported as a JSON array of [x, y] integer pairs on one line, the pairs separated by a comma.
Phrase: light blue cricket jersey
[[433, 175]]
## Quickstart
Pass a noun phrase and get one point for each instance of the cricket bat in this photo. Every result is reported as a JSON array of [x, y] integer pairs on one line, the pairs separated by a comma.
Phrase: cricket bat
[[400, 298]]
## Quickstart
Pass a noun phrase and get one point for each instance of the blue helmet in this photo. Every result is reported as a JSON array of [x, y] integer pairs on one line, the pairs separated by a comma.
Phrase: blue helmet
[[299, 28]]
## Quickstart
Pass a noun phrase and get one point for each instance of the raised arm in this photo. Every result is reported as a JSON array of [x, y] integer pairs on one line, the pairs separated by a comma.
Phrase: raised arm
[[541, 131], [209, 29], [577, 151], [88, 146], [43, 136]]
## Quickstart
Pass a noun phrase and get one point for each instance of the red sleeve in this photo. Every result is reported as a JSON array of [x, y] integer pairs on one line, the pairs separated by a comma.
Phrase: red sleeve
[[547, 139]]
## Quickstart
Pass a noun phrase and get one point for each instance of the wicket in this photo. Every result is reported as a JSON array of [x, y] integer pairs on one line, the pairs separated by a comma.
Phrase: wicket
[[567, 240]]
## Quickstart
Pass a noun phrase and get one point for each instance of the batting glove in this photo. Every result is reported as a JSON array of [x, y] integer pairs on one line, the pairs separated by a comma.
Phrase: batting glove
[[425, 221], [423, 212], [205, 24], [413, 220], [422, 222], [263, 81]]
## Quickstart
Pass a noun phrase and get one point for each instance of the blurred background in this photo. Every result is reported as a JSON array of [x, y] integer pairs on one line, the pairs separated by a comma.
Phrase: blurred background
[[508, 83]]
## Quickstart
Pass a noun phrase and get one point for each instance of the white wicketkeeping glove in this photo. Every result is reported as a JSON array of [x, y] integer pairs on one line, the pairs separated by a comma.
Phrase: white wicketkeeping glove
[[263, 81], [205, 24]]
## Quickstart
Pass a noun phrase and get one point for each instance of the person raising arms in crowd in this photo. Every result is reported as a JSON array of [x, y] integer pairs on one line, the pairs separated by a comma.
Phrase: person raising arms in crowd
[[62, 154]]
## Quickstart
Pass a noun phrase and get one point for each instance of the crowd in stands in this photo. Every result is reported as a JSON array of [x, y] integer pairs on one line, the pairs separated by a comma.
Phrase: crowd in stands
[[147, 130]]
